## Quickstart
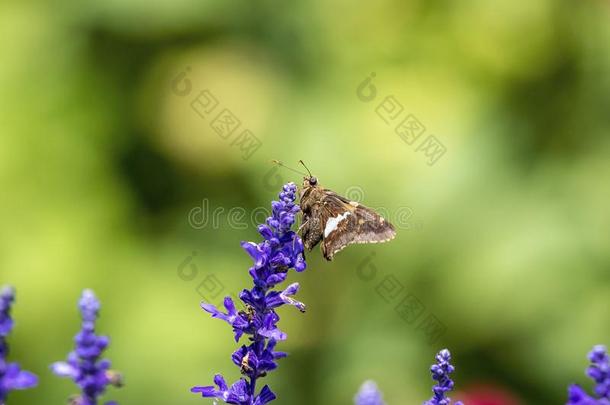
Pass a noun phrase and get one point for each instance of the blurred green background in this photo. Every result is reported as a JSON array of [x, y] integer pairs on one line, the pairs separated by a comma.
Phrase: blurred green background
[[504, 240]]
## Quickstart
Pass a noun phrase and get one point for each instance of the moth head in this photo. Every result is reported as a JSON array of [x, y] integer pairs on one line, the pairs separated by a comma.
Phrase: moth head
[[310, 181]]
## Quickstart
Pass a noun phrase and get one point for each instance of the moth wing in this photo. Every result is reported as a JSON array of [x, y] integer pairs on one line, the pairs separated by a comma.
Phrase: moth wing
[[348, 222]]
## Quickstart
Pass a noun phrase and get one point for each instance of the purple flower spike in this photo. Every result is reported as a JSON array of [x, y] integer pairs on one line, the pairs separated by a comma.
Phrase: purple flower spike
[[11, 375], [280, 251], [369, 394], [599, 372], [84, 365], [440, 373]]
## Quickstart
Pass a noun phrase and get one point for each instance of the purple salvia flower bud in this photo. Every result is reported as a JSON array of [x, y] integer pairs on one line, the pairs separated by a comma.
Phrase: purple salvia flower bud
[[369, 394], [89, 307], [11, 375], [85, 365], [599, 372], [440, 373], [281, 250]]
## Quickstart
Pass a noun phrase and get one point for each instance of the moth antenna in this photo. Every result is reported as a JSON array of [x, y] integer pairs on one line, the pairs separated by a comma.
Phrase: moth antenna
[[301, 162], [279, 163]]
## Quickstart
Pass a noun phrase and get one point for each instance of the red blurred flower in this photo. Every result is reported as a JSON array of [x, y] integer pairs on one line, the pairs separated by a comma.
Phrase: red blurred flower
[[487, 394]]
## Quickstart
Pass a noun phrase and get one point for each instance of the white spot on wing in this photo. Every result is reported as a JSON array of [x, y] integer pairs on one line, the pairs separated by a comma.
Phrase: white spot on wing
[[333, 223]]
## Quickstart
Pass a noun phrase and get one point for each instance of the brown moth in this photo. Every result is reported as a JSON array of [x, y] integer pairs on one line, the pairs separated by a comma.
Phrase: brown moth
[[338, 222]]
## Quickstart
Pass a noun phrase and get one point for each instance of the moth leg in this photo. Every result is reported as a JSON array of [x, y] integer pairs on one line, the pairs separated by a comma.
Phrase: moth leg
[[299, 233], [303, 226]]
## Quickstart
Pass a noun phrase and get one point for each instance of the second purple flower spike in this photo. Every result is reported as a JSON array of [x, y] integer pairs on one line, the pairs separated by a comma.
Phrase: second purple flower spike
[[84, 365], [440, 373]]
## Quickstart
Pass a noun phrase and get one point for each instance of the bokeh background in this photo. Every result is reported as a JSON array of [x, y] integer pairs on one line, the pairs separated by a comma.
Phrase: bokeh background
[[112, 181]]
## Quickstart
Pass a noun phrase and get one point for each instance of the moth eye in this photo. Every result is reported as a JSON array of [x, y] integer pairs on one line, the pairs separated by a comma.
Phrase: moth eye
[[313, 181]]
